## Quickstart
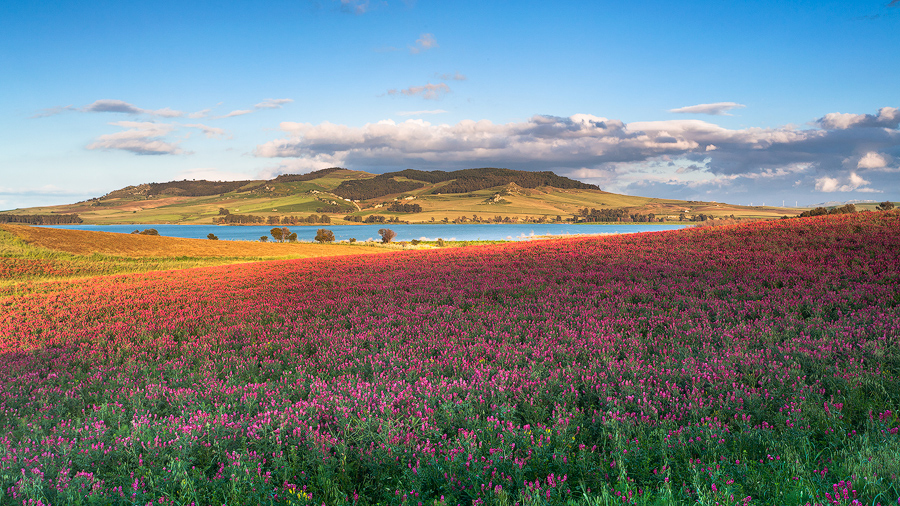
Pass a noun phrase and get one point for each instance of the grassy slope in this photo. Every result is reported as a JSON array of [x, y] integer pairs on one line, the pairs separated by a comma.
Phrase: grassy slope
[[31, 254], [299, 199]]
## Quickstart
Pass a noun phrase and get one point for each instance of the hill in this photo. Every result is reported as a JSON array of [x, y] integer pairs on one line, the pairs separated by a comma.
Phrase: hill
[[339, 196]]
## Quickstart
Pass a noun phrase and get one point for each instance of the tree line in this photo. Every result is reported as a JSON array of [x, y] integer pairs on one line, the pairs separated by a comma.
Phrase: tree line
[[292, 178], [378, 186], [239, 219], [819, 211], [372, 218], [469, 180], [312, 219], [623, 215], [399, 207], [844, 209], [41, 219], [184, 188]]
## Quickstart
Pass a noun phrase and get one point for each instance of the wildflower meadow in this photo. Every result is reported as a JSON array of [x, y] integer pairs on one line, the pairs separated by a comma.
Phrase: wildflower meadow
[[747, 364]]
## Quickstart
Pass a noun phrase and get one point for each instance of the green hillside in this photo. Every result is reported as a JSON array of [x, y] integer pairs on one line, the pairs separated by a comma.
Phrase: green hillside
[[347, 196]]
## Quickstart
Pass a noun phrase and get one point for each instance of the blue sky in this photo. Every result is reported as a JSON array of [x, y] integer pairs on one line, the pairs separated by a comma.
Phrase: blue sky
[[742, 102]]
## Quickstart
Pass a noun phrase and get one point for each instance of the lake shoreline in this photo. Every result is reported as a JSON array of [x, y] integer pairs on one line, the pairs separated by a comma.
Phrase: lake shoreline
[[405, 232]]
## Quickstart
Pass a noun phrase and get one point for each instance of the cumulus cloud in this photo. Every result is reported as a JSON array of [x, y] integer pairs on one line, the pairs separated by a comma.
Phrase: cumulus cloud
[[425, 42], [690, 153], [852, 182], [872, 160], [887, 117], [273, 103], [427, 91], [716, 109], [139, 137]]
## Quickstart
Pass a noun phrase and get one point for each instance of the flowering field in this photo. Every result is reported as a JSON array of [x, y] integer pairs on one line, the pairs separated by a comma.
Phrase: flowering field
[[754, 364]]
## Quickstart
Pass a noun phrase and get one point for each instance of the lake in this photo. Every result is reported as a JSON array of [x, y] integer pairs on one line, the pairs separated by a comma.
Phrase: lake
[[463, 232]]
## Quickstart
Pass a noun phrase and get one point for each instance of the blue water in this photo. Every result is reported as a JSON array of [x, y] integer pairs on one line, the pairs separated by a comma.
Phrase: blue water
[[469, 232]]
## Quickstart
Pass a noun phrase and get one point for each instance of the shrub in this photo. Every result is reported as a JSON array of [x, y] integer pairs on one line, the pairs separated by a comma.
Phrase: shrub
[[280, 234], [324, 235], [387, 235], [212, 237]]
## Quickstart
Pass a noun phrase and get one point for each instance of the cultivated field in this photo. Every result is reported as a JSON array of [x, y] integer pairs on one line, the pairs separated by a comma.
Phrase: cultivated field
[[32, 256], [748, 364]]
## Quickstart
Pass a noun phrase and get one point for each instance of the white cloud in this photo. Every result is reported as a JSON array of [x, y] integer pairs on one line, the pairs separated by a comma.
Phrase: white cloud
[[872, 160], [208, 131], [427, 91], [425, 42], [140, 137], [852, 182], [166, 113], [887, 117], [199, 114], [587, 145], [239, 112], [273, 103], [420, 113], [716, 109]]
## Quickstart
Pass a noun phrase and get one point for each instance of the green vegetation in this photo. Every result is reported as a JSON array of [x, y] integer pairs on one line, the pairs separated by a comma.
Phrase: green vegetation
[[40, 219]]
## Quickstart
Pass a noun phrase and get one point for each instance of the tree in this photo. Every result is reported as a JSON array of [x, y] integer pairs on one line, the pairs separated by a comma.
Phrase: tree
[[223, 211], [885, 206], [264, 238], [281, 234], [387, 235], [324, 235], [292, 237], [212, 237]]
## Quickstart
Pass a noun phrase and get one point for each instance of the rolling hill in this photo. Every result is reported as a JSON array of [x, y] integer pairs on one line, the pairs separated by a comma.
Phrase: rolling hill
[[348, 196]]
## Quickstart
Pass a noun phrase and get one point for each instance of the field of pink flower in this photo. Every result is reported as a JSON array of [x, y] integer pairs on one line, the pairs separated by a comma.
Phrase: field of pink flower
[[750, 364]]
